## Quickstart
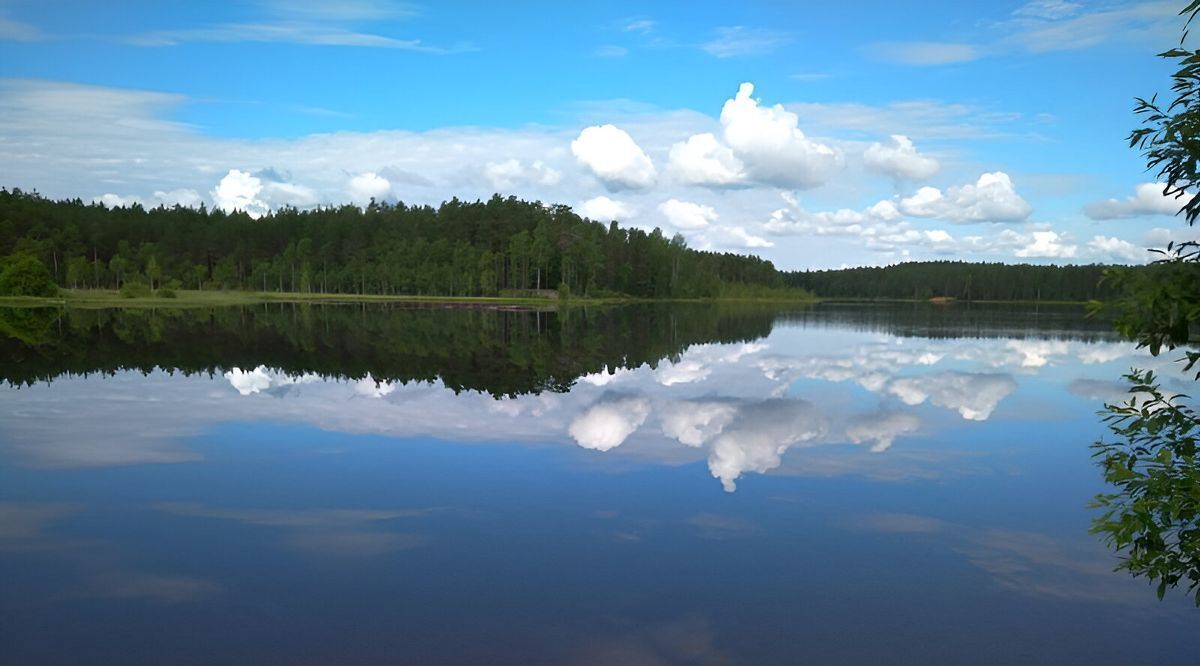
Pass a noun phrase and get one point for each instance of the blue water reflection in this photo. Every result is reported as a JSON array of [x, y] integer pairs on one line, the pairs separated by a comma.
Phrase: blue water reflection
[[832, 493]]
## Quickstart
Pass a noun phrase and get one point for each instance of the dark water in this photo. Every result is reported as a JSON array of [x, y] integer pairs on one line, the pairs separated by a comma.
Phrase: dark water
[[687, 485]]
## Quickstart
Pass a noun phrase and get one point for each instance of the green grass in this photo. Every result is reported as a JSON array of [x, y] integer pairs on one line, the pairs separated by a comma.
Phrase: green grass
[[111, 298]]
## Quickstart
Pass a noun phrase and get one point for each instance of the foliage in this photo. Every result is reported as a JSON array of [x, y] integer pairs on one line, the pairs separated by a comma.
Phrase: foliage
[[967, 281], [166, 292], [1154, 518], [24, 275], [1159, 305], [135, 290], [1170, 135], [458, 249]]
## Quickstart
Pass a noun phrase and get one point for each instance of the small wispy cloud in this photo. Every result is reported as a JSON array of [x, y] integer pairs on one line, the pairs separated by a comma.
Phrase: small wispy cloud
[[611, 51], [344, 10], [924, 53], [289, 34], [12, 30], [642, 26], [739, 40], [1043, 26], [1048, 9]]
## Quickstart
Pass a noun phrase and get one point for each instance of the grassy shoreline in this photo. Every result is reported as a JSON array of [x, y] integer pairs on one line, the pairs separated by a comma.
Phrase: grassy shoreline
[[109, 298]]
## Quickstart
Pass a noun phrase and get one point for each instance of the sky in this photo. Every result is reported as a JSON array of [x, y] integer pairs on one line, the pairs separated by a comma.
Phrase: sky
[[817, 135]]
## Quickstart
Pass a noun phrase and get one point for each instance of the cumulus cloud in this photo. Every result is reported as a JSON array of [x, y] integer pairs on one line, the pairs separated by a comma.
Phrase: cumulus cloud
[[769, 142], [511, 173], [899, 158], [758, 439], [686, 371], [185, 197], [609, 423], [367, 186], [256, 194], [604, 209], [614, 157], [882, 428], [729, 237], [1147, 199], [973, 396], [1048, 244], [238, 191], [694, 423], [992, 198], [1109, 248], [703, 160], [262, 380], [687, 215]]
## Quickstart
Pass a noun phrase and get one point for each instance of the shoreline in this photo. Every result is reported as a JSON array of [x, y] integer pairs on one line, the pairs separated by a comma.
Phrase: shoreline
[[109, 298]]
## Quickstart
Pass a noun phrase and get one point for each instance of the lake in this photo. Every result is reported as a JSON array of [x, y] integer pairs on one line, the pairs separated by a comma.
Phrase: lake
[[699, 484]]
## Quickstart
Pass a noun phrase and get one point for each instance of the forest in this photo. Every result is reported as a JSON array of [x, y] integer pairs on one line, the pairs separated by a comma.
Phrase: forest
[[502, 246], [960, 280], [481, 248]]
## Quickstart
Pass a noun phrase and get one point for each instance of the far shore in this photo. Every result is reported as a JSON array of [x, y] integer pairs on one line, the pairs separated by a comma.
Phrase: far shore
[[110, 298]]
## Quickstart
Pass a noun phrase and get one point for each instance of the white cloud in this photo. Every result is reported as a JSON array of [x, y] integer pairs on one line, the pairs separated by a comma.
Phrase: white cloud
[[686, 371], [769, 142], [924, 53], [740, 40], [508, 174], [973, 396], [694, 423], [603, 209], [308, 33], [687, 215], [1116, 249], [257, 194], [1048, 9], [758, 439], [899, 158], [992, 198], [614, 157], [18, 31], [1047, 25], [611, 51], [640, 25], [882, 428], [188, 198], [1147, 199], [702, 160], [238, 191], [367, 186], [1047, 244], [609, 423], [729, 237]]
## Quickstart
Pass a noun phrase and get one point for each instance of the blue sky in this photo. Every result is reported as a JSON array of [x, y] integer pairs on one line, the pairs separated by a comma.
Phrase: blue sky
[[870, 132]]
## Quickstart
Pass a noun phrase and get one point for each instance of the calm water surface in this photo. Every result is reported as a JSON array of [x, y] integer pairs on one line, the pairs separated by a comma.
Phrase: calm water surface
[[692, 485]]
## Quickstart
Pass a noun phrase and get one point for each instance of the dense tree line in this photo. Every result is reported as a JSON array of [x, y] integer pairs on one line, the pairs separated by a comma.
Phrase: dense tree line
[[459, 249], [958, 279]]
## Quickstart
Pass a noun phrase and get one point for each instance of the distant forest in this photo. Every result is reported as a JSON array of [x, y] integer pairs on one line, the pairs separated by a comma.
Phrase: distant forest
[[960, 280], [458, 249], [482, 248]]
